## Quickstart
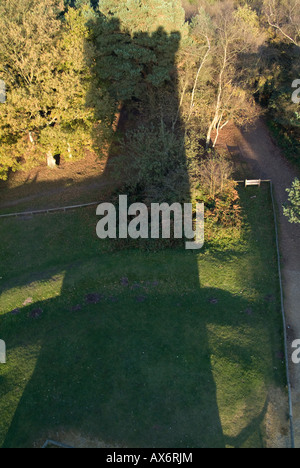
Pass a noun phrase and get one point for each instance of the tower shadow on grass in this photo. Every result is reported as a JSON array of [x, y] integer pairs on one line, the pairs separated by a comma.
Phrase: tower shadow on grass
[[135, 369], [131, 373]]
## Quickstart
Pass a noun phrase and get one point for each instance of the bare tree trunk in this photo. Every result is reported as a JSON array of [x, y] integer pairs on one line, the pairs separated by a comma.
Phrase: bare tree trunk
[[220, 127], [197, 76], [216, 118], [70, 151], [208, 138], [179, 106], [274, 22], [194, 88], [217, 134]]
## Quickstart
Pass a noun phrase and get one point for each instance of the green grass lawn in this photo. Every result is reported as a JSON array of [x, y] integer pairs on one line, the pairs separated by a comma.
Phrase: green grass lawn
[[185, 355]]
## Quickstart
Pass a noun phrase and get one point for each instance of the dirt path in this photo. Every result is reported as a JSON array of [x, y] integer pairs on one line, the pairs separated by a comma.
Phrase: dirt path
[[266, 162]]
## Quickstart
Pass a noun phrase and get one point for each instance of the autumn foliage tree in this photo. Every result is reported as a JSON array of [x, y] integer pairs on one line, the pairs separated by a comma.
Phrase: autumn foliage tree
[[283, 16], [44, 62], [69, 66]]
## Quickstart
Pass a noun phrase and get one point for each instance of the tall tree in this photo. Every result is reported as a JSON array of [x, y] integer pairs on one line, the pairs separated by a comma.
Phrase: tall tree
[[216, 67], [73, 113], [28, 57], [44, 59], [284, 17], [237, 35], [136, 42]]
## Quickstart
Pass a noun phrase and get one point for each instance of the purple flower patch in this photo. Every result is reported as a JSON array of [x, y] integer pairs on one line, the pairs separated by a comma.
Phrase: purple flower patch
[[93, 298], [125, 282], [16, 312], [35, 313], [141, 299]]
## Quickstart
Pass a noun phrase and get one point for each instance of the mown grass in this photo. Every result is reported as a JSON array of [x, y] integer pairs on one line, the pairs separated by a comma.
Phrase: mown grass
[[185, 355]]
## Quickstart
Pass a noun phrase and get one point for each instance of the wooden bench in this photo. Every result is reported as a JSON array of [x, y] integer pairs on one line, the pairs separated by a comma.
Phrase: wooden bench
[[249, 183]]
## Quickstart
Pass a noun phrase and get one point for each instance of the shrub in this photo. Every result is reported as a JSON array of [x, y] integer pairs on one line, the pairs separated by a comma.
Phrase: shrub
[[292, 208]]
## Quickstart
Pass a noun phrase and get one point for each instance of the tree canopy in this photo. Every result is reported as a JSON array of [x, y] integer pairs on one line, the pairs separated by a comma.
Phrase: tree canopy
[[69, 65], [46, 66]]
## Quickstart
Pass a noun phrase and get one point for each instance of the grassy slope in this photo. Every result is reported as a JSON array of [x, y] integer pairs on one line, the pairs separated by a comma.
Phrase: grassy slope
[[155, 364]]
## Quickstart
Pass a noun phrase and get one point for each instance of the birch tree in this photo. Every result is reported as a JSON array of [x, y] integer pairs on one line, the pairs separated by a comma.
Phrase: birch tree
[[236, 34], [284, 17]]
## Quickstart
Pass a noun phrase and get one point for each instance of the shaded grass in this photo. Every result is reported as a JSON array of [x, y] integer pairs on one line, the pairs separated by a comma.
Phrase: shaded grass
[[184, 356]]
